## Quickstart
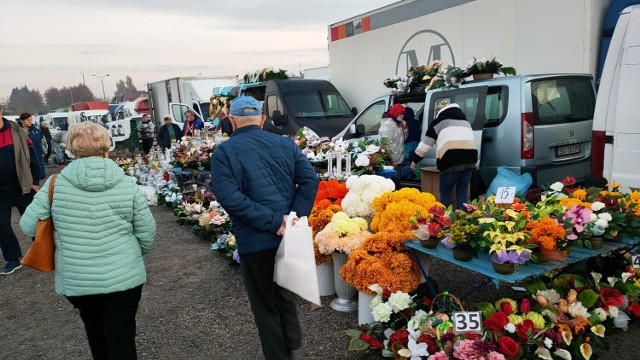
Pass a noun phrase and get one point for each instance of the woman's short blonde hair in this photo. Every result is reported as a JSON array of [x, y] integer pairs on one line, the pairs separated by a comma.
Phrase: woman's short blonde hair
[[87, 139]]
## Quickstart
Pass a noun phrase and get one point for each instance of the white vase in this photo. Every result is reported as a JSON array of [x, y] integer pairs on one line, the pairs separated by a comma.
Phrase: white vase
[[325, 279], [344, 302], [364, 308]]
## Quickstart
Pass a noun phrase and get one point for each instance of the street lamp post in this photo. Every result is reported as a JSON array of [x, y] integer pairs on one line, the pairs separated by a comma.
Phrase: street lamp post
[[102, 81], [81, 73]]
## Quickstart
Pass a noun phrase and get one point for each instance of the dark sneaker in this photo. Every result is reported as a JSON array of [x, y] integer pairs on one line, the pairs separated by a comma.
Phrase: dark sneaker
[[10, 267]]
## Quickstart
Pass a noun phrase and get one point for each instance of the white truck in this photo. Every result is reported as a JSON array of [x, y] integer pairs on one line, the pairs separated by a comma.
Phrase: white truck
[[535, 37], [616, 122], [177, 95]]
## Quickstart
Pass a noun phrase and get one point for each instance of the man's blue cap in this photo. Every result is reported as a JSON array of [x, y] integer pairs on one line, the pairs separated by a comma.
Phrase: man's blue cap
[[239, 104]]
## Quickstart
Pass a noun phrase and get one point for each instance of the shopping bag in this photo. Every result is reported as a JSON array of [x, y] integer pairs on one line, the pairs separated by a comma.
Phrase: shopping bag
[[295, 267], [41, 254]]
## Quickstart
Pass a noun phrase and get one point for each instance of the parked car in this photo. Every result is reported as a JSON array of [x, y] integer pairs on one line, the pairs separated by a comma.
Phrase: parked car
[[537, 124]]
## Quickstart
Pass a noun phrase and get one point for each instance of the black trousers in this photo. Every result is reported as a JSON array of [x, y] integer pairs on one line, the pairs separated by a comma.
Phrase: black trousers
[[274, 308], [8, 241], [147, 144], [110, 322]]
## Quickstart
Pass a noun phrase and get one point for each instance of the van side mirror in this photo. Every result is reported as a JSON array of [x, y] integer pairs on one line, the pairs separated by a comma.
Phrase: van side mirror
[[354, 111], [360, 130], [278, 119]]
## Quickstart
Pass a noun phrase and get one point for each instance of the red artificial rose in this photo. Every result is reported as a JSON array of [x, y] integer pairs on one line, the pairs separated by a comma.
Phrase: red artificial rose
[[635, 310], [472, 336], [432, 345], [611, 297], [427, 301], [386, 293], [523, 329], [507, 346], [525, 306], [401, 336], [496, 321], [505, 307]]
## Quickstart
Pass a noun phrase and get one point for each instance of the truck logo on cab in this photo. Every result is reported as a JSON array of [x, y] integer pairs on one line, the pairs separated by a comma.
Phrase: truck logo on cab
[[422, 48], [571, 132]]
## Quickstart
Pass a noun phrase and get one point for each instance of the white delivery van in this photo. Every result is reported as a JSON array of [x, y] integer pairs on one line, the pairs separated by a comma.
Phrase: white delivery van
[[616, 123]]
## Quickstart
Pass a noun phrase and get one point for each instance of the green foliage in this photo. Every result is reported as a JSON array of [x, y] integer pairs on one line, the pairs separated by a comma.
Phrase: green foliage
[[588, 297], [486, 308], [24, 100], [534, 285], [265, 74]]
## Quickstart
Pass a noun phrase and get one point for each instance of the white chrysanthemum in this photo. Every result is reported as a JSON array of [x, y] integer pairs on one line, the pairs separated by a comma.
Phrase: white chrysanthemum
[[577, 309], [605, 216], [548, 343], [602, 223], [551, 295], [511, 328]]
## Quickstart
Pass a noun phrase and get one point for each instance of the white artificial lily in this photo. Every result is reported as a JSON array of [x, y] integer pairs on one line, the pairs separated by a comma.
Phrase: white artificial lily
[[612, 280], [625, 276], [543, 354], [557, 186], [415, 351], [596, 276], [376, 289], [563, 354]]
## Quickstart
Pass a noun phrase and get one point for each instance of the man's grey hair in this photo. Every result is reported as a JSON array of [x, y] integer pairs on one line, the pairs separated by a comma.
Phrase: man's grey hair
[[246, 119]]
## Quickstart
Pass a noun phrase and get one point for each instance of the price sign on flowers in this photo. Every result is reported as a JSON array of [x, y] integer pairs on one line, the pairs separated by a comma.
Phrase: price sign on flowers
[[505, 195], [635, 261], [467, 321]]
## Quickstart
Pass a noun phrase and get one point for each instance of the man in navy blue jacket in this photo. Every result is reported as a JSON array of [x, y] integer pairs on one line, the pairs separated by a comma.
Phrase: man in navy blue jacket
[[258, 178]]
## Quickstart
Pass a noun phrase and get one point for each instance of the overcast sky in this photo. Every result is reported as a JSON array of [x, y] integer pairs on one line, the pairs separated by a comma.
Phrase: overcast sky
[[44, 43]]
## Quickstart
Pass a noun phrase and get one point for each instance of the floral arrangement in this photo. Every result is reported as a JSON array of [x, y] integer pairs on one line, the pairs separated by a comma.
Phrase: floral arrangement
[[484, 66], [265, 74], [226, 244], [398, 83], [362, 190], [188, 212], [425, 75], [125, 164], [320, 216], [431, 225], [508, 240], [331, 190], [311, 145], [213, 222], [191, 153], [170, 194], [342, 234], [382, 259], [370, 155], [466, 228], [393, 210]]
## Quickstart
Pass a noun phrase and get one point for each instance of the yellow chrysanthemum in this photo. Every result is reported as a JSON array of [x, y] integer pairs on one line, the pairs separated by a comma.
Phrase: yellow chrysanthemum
[[513, 303], [580, 194], [538, 320], [515, 319]]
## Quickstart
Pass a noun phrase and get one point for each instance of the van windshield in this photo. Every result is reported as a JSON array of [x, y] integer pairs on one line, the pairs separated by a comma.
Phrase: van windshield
[[557, 101], [317, 104]]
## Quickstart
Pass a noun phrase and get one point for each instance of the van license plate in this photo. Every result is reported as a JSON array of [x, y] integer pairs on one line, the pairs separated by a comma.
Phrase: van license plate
[[567, 150]]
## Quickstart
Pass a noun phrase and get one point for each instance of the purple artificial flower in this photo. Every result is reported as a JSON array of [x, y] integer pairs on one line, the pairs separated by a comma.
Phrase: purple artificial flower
[[446, 243], [236, 256], [510, 256]]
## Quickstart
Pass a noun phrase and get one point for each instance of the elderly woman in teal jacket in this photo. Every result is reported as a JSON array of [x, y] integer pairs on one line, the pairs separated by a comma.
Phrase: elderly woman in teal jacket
[[103, 227]]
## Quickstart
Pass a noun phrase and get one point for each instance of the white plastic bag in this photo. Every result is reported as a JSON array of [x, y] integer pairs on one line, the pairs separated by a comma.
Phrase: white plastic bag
[[295, 267]]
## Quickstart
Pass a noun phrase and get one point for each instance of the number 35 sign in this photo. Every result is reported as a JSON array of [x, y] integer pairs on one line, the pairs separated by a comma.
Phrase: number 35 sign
[[467, 321]]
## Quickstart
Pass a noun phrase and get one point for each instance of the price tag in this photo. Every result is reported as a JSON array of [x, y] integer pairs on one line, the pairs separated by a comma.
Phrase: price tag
[[505, 195], [467, 321], [635, 261]]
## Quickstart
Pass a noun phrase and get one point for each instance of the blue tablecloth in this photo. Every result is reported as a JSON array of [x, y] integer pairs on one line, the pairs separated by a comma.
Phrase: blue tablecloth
[[482, 264]]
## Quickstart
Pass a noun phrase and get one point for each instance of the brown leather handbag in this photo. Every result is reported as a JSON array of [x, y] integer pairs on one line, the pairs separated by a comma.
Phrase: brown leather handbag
[[41, 254]]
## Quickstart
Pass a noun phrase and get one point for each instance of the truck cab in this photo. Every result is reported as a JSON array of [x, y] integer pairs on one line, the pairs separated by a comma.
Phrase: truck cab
[[295, 103]]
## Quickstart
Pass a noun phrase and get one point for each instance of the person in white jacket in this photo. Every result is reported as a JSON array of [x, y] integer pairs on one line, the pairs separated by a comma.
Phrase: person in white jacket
[[394, 129]]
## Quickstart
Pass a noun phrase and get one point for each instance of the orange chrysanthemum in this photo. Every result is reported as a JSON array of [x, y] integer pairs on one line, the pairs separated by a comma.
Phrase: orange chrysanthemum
[[545, 232], [331, 190]]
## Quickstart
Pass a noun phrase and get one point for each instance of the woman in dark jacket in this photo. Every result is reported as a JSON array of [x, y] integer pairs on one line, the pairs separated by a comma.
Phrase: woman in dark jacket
[[44, 128], [26, 121], [167, 132]]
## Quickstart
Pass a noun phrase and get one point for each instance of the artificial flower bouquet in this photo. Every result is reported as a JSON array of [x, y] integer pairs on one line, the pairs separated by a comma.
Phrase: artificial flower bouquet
[[212, 222], [321, 214], [192, 153], [370, 155], [331, 190], [425, 76], [362, 190], [342, 234], [466, 228], [395, 209], [491, 66], [429, 229], [188, 212], [312, 146], [226, 244], [170, 194], [397, 83]]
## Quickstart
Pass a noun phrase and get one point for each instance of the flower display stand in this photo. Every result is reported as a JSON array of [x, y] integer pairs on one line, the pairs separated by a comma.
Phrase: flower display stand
[[345, 301], [325, 279], [504, 269], [364, 308]]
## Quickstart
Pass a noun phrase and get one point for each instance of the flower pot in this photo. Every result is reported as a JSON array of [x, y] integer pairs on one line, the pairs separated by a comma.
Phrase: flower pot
[[542, 259], [430, 243], [504, 269], [617, 238], [556, 254], [462, 254], [483, 76], [597, 242], [344, 302], [326, 282], [364, 308]]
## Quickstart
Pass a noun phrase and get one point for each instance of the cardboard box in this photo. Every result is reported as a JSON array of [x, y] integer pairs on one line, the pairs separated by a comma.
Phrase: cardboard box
[[430, 182]]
